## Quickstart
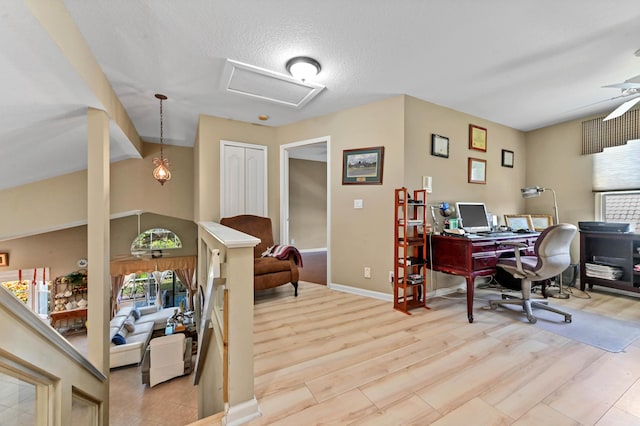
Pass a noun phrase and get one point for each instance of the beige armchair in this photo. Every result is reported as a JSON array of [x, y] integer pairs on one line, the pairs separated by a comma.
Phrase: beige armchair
[[166, 357], [268, 272]]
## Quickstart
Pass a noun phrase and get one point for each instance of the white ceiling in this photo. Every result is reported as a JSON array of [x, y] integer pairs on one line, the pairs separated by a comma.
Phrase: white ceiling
[[524, 64]]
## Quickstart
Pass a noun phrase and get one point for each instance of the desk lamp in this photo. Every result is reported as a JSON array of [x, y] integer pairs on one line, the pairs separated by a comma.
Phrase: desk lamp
[[535, 191], [445, 211]]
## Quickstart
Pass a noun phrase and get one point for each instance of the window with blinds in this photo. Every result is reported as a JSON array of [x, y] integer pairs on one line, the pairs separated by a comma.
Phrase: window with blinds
[[616, 168], [616, 179]]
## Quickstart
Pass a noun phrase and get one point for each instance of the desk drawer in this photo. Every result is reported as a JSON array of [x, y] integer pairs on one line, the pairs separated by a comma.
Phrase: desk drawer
[[499, 246], [483, 246], [484, 260]]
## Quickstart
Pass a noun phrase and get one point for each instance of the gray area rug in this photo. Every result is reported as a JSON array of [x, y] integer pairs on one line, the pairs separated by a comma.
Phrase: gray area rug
[[606, 333]]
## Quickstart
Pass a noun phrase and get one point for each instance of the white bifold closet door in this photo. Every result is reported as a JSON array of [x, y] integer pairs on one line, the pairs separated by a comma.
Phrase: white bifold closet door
[[243, 179]]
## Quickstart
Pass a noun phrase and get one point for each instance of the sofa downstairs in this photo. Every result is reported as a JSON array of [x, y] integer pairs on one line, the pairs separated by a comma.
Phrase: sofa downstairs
[[135, 327]]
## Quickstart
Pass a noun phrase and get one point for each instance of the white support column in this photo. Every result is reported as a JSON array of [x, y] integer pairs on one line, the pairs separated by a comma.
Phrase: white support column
[[98, 238]]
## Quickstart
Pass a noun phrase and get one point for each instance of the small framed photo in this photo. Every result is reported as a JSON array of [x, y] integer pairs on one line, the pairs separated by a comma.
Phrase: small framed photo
[[477, 170], [362, 166], [507, 158], [4, 259], [518, 221], [477, 138], [439, 146], [541, 221]]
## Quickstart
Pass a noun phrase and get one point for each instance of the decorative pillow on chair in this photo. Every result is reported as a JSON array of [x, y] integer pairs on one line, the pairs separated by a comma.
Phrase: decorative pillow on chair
[[129, 326], [136, 314], [118, 339]]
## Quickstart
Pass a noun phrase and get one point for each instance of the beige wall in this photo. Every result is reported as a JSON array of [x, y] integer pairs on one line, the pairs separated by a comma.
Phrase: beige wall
[[363, 237], [360, 237], [308, 203], [501, 193], [554, 161], [60, 250], [62, 201], [134, 188], [211, 130]]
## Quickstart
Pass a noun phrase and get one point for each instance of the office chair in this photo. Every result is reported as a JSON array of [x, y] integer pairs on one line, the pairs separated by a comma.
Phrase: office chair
[[552, 256]]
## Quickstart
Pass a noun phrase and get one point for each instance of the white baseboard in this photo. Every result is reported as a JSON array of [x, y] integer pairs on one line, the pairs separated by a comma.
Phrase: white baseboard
[[242, 413], [460, 288], [361, 292], [389, 297], [312, 250]]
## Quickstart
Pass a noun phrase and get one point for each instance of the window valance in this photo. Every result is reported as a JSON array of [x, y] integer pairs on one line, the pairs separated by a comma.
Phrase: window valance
[[125, 267], [598, 134]]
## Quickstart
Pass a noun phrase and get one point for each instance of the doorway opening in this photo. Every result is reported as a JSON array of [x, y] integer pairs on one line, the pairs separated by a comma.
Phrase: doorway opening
[[305, 205]]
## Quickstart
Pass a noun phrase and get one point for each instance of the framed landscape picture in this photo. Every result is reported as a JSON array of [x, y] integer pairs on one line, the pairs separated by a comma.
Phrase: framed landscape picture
[[363, 166]]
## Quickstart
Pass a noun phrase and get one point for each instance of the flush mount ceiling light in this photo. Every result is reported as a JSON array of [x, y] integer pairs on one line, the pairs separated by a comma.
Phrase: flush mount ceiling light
[[161, 173], [303, 67]]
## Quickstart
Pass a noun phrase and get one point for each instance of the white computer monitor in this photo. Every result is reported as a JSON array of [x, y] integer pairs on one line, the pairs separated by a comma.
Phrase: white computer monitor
[[473, 217]]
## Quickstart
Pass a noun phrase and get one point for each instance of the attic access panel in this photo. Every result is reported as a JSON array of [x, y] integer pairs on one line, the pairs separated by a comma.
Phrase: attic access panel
[[259, 83]]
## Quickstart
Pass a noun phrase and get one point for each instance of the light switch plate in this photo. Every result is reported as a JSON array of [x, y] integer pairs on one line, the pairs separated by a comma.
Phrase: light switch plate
[[427, 184], [357, 204]]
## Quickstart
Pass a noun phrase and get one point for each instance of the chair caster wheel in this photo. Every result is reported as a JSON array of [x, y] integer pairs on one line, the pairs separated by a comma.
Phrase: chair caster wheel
[[532, 320], [493, 307], [567, 319]]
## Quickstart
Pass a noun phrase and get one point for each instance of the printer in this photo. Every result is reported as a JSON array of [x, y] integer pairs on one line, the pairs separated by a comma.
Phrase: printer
[[605, 227]]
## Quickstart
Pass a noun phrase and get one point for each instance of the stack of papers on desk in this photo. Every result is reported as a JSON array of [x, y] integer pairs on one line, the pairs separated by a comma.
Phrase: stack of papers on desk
[[605, 272]]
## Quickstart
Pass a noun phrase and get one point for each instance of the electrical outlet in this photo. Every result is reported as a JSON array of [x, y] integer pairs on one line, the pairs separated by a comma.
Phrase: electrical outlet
[[367, 272], [293, 241], [390, 276]]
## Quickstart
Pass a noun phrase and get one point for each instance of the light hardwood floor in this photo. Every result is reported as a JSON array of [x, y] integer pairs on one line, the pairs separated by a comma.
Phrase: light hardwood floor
[[328, 357], [333, 358]]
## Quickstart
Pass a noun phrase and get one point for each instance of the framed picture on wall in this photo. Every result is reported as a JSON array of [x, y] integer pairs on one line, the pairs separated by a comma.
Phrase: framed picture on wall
[[518, 221], [362, 166], [541, 221], [507, 158], [439, 146], [477, 170], [477, 138], [4, 259]]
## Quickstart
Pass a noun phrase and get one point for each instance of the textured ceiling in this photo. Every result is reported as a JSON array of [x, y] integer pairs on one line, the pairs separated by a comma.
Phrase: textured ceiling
[[524, 64]]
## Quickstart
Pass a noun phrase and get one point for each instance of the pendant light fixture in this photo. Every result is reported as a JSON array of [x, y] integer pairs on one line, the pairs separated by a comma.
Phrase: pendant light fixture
[[161, 173]]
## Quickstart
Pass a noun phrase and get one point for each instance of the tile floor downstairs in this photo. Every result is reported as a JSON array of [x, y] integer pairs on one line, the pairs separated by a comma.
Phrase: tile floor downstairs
[[132, 403]]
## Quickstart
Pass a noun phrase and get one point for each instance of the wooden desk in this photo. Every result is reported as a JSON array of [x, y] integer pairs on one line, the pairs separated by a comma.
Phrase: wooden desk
[[472, 257]]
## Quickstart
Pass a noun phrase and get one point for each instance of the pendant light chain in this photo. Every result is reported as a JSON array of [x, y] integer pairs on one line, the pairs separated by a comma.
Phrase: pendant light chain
[[161, 133]]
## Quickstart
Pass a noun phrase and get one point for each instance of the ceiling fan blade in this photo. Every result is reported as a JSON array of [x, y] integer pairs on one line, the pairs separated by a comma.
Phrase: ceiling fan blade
[[632, 83], [622, 109], [625, 85]]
